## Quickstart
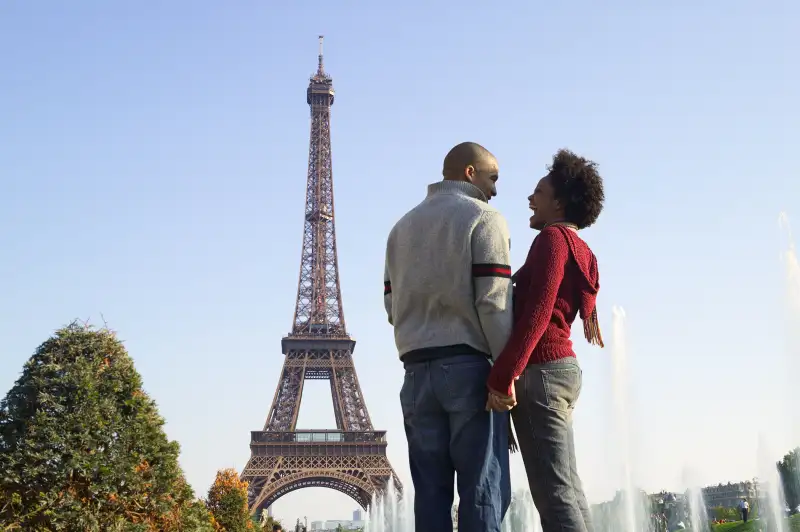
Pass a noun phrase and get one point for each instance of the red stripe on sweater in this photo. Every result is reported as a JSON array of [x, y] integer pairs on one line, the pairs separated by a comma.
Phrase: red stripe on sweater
[[491, 270]]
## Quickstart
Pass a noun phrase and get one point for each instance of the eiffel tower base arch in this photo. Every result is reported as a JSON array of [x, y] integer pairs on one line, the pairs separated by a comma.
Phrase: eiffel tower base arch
[[360, 478]]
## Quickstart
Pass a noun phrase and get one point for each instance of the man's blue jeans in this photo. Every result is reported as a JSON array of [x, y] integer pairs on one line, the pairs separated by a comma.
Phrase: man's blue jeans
[[450, 434]]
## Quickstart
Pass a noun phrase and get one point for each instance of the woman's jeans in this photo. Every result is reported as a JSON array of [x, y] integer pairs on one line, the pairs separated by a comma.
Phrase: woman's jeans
[[546, 396]]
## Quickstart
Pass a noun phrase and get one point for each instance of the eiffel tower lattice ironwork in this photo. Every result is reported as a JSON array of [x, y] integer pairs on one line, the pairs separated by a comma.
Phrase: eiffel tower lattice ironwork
[[352, 458]]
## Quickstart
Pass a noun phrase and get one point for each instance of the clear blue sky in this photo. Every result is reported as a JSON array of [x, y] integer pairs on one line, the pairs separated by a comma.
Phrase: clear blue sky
[[152, 171]]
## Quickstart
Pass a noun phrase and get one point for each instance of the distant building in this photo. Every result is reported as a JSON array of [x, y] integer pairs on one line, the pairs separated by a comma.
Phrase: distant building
[[728, 495], [663, 497], [317, 525], [357, 515]]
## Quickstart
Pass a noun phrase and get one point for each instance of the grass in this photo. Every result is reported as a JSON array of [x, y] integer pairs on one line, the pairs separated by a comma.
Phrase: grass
[[753, 526]]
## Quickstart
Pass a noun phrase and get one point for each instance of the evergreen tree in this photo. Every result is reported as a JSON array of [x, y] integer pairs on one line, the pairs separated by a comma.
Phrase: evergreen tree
[[227, 502], [789, 469], [82, 447]]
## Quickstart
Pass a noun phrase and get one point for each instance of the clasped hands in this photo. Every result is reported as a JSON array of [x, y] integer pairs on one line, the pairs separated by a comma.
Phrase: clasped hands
[[500, 402]]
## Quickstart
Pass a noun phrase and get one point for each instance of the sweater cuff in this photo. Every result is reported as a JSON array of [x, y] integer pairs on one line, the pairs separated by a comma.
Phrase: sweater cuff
[[500, 382]]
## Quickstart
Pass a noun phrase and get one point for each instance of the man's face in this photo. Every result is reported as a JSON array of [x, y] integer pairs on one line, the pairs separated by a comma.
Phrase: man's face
[[484, 175]]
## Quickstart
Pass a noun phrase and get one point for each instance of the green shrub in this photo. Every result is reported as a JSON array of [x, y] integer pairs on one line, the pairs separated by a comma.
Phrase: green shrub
[[82, 446]]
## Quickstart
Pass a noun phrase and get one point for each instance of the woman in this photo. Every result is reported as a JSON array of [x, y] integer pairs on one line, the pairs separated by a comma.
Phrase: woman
[[558, 281]]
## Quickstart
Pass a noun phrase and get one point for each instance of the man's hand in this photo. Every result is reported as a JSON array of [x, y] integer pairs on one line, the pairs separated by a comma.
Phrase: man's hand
[[500, 402]]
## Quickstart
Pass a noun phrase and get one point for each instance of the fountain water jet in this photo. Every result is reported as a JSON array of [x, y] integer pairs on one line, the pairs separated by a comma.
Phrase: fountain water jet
[[389, 513], [698, 515], [771, 503], [791, 361], [697, 510], [522, 515], [620, 394], [792, 265]]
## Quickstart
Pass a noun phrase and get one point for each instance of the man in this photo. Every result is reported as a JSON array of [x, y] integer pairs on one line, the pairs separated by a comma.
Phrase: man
[[744, 507], [447, 292]]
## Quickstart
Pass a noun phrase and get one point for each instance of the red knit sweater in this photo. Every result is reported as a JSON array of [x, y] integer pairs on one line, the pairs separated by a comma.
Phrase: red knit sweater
[[558, 280]]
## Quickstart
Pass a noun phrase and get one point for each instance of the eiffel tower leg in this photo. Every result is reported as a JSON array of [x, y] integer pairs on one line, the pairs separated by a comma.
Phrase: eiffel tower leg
[[299, 396], [336, 395], [354, 410], [288, 395], [337, 402]]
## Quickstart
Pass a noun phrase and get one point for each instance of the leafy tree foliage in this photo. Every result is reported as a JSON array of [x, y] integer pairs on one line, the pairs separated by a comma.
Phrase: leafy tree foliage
[[729, 514], [227, 502], [82, 447], [789, 469], [267, 523]]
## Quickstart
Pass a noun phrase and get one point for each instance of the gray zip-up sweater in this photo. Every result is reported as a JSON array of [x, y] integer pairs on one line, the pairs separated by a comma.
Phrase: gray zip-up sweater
[[447, 279]]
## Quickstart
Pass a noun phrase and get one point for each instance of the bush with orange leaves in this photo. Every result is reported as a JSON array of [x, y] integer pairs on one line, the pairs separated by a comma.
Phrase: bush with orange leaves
[[227, 503]]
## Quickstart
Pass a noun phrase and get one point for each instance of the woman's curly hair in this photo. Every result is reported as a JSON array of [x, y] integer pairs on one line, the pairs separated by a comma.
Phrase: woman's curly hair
[[578, 187]]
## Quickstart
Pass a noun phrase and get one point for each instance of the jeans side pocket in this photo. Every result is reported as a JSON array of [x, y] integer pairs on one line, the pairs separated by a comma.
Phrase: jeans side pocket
[[562, 387], [407, 394]]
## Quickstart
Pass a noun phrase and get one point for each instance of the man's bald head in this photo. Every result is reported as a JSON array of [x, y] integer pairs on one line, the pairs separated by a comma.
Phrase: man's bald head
[[474, 164]]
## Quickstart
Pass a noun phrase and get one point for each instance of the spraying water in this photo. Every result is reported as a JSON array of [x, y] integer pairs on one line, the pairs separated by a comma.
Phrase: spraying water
[[698, 515], [390, 513], [393, 507], [697, 510], [771, 506], [620, 392], [522, 515], [789, 258], [792, 350]]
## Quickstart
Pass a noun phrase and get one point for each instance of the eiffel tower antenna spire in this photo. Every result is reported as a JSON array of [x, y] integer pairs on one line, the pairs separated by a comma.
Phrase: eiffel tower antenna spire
[[320, 68]]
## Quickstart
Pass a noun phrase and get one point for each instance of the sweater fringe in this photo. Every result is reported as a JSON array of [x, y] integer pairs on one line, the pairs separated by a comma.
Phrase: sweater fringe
[[591, 329], [512, 440]]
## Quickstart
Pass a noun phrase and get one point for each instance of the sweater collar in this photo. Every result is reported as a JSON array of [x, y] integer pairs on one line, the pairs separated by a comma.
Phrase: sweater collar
[[456, 187]]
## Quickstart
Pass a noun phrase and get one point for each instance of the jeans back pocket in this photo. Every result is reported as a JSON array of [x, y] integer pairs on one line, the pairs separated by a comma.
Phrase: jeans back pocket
[[465, 384], [562, 386]]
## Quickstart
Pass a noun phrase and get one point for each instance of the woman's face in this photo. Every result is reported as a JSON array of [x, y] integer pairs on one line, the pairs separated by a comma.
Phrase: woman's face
[[546, 208]]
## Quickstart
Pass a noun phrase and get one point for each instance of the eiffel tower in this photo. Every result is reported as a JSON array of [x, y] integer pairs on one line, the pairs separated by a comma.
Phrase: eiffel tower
[[352, 458]]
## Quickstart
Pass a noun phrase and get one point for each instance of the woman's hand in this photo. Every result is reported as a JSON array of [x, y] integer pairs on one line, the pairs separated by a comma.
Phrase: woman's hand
[[500, 402]]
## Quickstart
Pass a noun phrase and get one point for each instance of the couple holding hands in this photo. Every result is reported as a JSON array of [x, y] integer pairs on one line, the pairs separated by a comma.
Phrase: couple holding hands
[[478, 342]]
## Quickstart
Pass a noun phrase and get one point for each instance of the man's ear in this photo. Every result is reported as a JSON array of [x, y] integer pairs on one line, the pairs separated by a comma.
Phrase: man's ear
[[469, 173]]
